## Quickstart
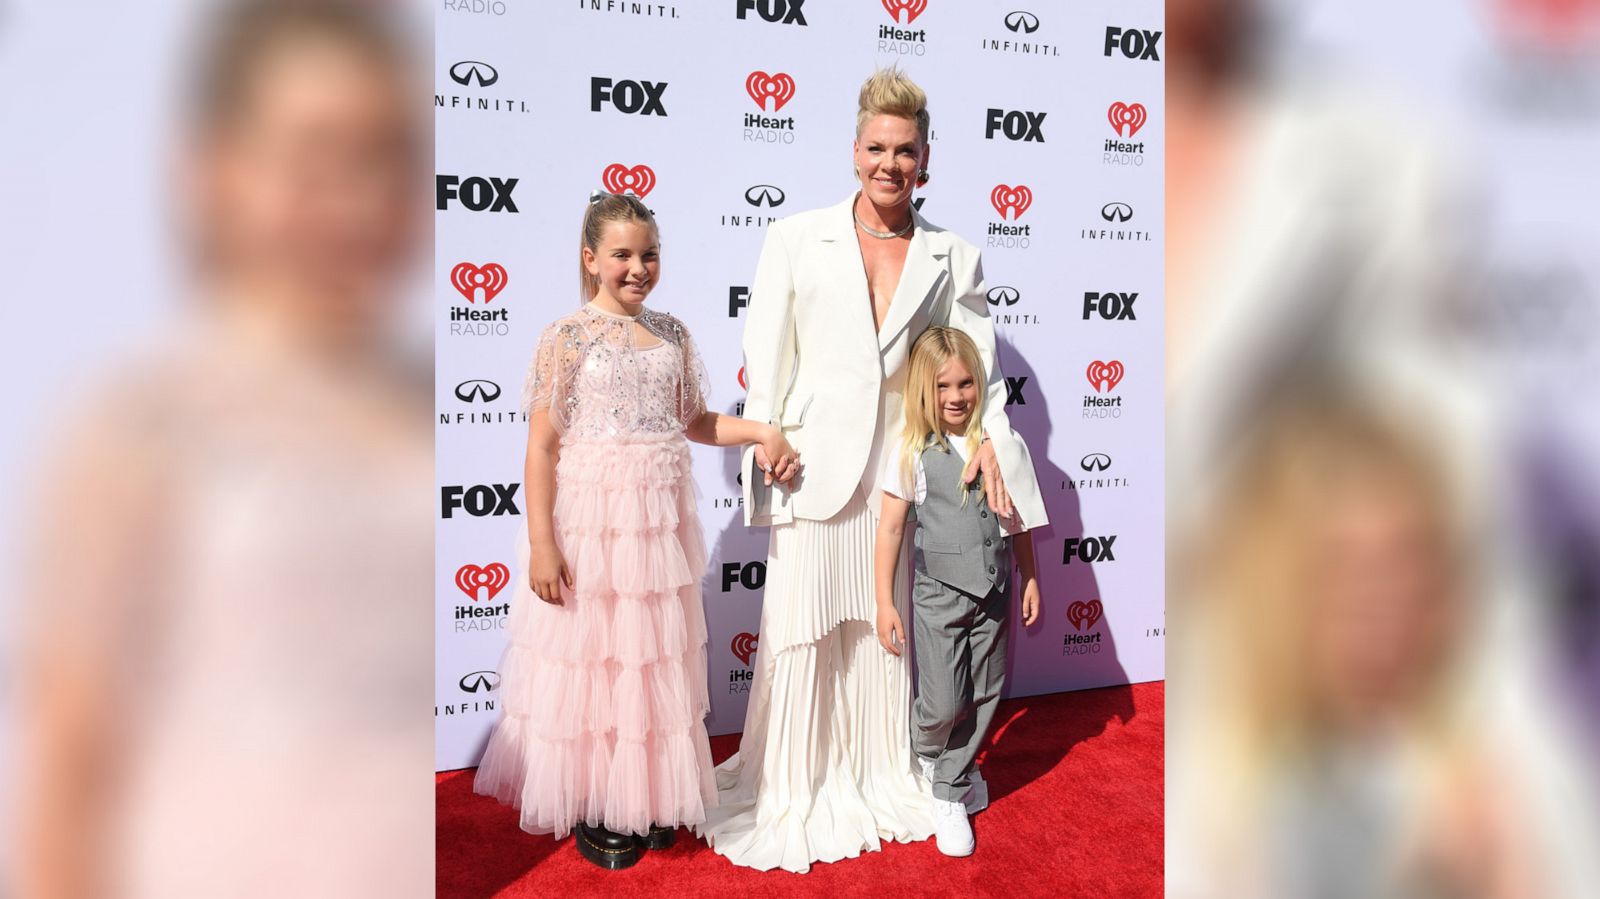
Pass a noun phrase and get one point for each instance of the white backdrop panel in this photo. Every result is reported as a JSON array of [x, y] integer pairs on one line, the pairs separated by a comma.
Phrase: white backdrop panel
[[533, 65]]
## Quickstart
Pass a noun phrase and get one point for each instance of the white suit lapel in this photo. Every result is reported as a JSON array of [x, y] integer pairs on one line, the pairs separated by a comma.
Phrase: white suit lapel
[[847, 277], [925, 262]]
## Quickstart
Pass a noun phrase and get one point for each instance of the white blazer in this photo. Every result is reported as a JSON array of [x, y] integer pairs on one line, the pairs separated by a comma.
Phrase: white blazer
[[816, 369]]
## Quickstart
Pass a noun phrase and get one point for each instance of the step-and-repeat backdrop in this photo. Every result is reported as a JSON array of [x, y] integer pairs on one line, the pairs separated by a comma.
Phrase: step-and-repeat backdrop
[[725, 115]]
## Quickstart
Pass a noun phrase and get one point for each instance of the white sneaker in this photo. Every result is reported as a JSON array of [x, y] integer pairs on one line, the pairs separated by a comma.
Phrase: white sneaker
[[951, 829], [977, 798]]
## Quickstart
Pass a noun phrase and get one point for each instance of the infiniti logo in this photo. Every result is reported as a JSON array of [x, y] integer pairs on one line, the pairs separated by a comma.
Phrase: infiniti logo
[[1025, 22], [480, 682], [764, 195], [1095, 462], [468, 71], [1116, 212], [477, 391], [1007, 295]]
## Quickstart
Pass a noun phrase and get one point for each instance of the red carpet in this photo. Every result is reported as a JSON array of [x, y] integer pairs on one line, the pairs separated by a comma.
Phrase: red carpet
[[1075, 784]]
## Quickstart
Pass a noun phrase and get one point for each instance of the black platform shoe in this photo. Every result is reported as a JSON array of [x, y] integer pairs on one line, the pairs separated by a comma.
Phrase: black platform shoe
[[608, 849], [659, 837]]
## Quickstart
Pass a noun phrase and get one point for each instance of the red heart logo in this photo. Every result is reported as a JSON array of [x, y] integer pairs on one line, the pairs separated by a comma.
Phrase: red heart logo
[[761, 86], [744, 646], [493, 577], [468, 279], [913, 8], [1083, 615], [1017, 199], [619, 179], [1104, 375], [742, 383], [1126, 119]]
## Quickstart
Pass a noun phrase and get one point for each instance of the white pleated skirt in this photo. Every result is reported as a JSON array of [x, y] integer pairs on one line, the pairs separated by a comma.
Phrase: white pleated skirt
[[824, 768]]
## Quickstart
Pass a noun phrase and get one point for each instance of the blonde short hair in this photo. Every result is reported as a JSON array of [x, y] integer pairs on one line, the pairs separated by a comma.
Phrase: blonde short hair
[[892, 92]]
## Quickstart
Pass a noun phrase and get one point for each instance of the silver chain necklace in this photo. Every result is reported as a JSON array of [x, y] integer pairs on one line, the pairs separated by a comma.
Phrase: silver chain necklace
[[882, 235]]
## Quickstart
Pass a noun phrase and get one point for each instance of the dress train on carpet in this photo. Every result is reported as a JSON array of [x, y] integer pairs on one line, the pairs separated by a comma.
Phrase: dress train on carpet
[[824, 768]]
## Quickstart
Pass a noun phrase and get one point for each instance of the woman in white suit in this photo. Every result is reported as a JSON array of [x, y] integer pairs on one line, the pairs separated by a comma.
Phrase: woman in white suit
[[824, 769]]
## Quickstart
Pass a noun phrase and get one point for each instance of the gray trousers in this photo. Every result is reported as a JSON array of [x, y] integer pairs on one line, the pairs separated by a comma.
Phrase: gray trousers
[[960, 645]]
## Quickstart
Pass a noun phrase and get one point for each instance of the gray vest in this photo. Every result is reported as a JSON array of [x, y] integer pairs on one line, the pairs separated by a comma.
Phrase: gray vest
[[961, 546]]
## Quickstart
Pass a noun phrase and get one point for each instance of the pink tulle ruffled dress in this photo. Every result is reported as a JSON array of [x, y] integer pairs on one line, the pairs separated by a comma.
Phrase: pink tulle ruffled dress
[[605, 695]]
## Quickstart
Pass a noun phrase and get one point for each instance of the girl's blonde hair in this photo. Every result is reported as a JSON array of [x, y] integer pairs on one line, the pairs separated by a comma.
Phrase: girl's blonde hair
[[924, 425], [891, 92], [603, 210]]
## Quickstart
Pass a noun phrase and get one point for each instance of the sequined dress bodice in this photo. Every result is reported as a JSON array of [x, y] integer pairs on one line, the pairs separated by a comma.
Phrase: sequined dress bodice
[[602, 381]]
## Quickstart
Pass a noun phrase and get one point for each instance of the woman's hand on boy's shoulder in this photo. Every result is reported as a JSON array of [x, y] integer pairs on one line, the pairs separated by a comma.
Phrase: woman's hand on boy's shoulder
[[987, 463]]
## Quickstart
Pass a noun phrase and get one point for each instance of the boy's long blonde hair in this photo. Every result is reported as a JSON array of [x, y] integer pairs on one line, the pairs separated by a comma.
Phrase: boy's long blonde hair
[[933, 349]]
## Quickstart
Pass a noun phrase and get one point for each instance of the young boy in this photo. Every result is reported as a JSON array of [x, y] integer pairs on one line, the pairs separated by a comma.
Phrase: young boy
[[962, 591]]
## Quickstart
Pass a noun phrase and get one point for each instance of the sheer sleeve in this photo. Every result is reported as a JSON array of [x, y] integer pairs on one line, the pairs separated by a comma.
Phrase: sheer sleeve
[[552, 371], [694, 383]]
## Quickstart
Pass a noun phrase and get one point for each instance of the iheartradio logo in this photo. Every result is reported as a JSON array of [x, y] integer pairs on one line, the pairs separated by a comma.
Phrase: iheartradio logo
[[1103, 376], [468, 279], [1084, 615], [743, 384], [492, 577], [619, 179], [744, 646], [778, 88], [1126, 119], [1016, 199], [912, 9]]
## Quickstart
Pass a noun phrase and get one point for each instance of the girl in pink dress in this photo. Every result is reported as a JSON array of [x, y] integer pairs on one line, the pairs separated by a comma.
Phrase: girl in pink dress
[[604, 679]]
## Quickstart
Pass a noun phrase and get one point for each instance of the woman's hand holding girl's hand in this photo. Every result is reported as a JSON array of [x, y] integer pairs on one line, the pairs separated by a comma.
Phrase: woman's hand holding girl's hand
[[547, 571], [994, 486], [889, 625], [774, 446]]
